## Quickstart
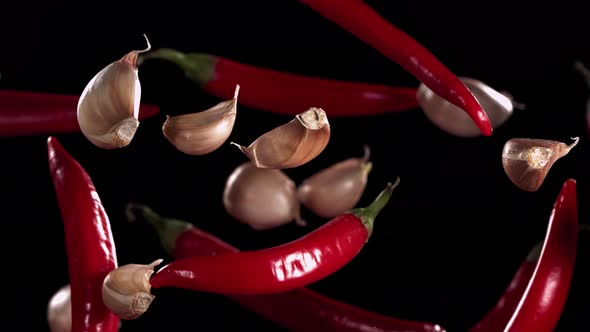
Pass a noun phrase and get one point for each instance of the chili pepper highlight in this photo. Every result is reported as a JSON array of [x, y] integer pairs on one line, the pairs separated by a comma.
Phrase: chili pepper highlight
[[89, 241], [286, 93], [32, 113], [300, 310], [362, 21], [282, 268]]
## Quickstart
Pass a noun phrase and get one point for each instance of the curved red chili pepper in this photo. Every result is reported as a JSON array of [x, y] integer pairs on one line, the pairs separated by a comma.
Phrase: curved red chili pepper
[[286, 93], [543, 301], [366, 24], [282, 268], [32, 113], [299, 310], [89, 241]]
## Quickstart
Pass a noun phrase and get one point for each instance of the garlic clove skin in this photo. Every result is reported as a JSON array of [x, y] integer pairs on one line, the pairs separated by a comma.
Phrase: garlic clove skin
[[455, 121], [59, 310], [261, 198], [203, 132], [527, 161], [108, 107], [292, 144], [126, 289], [336, 189]]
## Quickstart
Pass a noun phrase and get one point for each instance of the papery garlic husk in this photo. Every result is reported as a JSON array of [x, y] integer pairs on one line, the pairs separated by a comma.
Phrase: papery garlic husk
[[126, 289], [292, 144], [59, 310], [108, 108], [336, 189], [261, 198], [203, 132], [527, 161], [455, 121]]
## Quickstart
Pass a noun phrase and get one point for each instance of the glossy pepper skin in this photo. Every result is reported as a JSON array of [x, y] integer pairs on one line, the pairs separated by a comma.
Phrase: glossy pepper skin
[[362, 21], [543, 301], [287, 93], [32, 113], [300, 310], [282, 268], [89, 241]]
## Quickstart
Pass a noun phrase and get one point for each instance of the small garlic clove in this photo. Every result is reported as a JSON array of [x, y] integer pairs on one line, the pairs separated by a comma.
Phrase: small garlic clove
[[261, 198], [450, 118], [126, 289], [203, 132], [336, 189], [59, 310], [292, 144], [527, 161], [108, 107]]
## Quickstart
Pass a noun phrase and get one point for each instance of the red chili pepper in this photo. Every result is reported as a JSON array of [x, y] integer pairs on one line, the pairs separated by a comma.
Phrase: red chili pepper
[[32, 113], [89, 241], [282, 268], [286, 93], [497, 318], [298, 310], [543, 301], [366, 24]]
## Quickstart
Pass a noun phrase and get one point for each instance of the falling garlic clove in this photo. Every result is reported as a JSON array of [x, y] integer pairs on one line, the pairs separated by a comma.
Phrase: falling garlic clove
[[527, 161], [108, 108], [336, 189], [59, 310], [203, 132], [261, 198], [126, 289], [450, 118], [292, 144]]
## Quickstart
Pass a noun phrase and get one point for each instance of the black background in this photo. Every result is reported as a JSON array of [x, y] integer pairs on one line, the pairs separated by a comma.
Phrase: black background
[[447, 244]]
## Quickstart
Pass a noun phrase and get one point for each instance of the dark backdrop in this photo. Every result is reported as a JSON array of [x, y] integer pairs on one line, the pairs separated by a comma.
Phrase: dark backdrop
[[447, 244]]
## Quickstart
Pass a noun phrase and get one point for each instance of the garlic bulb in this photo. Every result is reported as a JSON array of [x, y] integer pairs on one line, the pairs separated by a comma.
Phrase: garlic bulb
[[336, 189], [59, 311], [261, 198], [292, 144], [203, 132], [108, 108], [126, 289], [455, 121], [527, 161]]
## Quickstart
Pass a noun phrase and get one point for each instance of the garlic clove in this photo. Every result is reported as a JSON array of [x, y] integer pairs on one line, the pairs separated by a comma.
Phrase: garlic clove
[[292, 144], [108, 107], [527, 161], [203, 132], [126, 289], [261, 198], [336, 189], [450, 118], [59, 310]]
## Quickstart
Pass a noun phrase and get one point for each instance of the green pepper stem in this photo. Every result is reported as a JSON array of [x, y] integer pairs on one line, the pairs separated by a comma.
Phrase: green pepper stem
[[168, 229], [369, 213], [198, 67]]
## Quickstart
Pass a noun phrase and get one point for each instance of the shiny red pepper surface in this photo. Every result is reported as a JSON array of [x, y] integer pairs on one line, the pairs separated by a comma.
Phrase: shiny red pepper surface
[[542, 303], [89, 241], [282, 268], [300, 310], [33, 113]]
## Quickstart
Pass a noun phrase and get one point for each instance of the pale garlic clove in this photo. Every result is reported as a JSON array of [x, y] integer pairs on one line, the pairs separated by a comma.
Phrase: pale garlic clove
[[292, 144], [59, 310], [527, 161], [450, 118], [261, 198], [203, 132], [336, 189], [108, 107], [126, 289]]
